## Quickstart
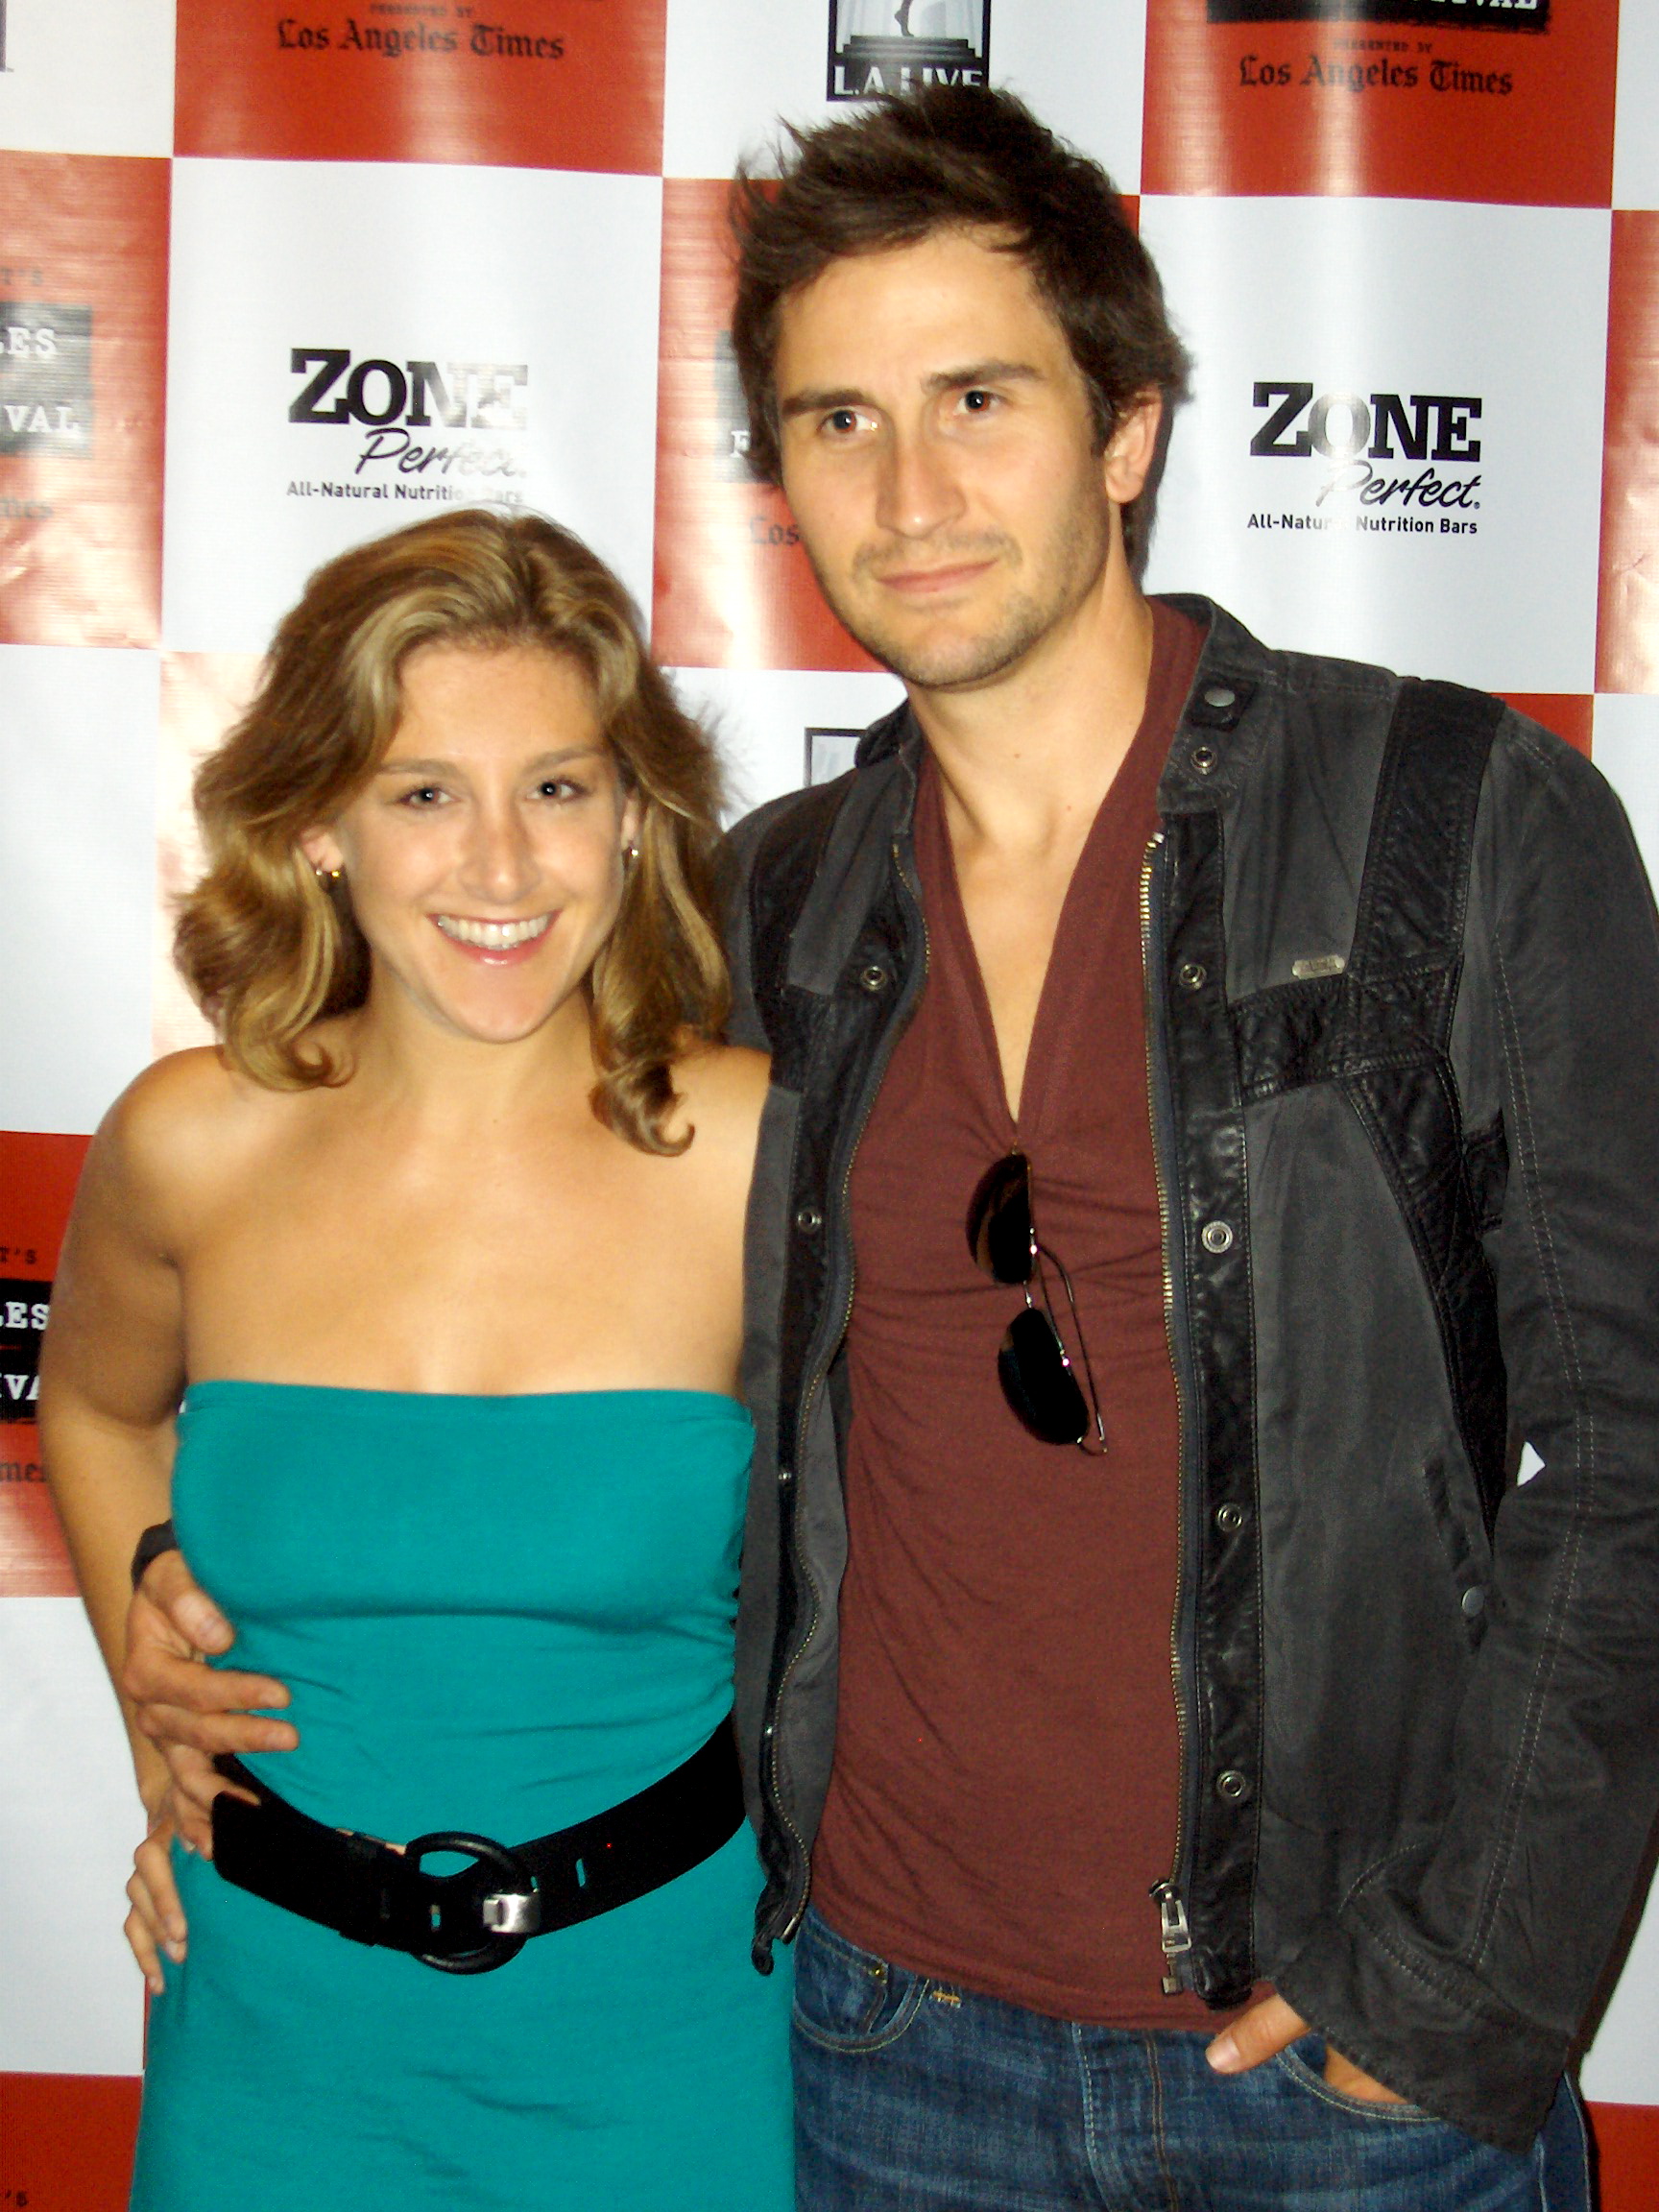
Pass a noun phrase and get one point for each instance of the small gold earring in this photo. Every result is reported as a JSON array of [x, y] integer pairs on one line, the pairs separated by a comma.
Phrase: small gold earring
[[629, 853], [327, 876]]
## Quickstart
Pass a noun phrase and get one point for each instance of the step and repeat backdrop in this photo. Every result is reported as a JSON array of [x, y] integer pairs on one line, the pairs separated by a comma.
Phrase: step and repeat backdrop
[[279, 274]]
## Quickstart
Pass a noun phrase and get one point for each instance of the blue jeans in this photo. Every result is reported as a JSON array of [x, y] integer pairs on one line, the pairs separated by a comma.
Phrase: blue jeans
[[912, 2095]]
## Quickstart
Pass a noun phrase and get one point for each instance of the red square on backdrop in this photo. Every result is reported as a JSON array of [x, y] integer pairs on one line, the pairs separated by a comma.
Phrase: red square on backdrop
[[1569, 713], [66, 2141], [83, 361], [733, 586], [38, 1178], [1278, 96], [1627, 625], [564, 85]]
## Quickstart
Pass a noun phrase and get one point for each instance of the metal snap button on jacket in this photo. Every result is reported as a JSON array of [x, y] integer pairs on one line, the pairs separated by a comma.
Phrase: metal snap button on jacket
[[1215, 1236]]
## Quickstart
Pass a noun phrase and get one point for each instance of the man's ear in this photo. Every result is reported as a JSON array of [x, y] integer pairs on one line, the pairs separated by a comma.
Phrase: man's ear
[[321, 850], [1131, 447]]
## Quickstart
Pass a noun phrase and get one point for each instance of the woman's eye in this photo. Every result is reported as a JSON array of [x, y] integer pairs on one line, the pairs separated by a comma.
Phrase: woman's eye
[[422, 795], [561, 787]]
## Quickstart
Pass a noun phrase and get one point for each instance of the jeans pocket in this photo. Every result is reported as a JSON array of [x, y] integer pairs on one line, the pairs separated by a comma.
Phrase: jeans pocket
[[848, 1999], [1302, 2064]]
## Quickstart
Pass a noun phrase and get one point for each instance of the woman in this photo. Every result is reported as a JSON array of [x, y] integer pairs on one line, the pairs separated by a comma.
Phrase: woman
[[443, 1249]]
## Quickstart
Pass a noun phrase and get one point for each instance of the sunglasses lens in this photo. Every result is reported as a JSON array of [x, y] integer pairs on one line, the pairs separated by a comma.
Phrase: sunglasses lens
[[999, 1219], [1039, 1386]]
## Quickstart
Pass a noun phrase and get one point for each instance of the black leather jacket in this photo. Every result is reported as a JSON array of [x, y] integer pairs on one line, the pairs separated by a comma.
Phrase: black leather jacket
[[1407, 1120]]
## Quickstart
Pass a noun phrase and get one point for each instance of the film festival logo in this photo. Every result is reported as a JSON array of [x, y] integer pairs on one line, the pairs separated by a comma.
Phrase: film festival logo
[[23, 1310], [1393, 465], [423, 429], [730, 454], [882, 46], [46, 378], [1419, 14]]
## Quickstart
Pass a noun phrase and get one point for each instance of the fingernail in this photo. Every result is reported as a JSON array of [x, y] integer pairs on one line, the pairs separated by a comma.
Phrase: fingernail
[[157, 1987], [1223, 2055], [185, 1844], [175, 1950]]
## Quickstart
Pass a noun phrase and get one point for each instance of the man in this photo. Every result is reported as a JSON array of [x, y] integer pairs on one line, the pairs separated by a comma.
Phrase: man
[[1230, 1071]]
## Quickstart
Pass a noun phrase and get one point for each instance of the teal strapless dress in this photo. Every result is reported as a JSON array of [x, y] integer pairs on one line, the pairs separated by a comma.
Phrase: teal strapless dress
[[499, 1615]]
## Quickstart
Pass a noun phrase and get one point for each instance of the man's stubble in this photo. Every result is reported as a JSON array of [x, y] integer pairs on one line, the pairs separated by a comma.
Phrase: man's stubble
[[1078, 548]]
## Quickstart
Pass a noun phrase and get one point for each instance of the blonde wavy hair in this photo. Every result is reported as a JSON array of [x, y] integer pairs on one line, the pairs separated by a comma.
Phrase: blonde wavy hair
[[269, 951]]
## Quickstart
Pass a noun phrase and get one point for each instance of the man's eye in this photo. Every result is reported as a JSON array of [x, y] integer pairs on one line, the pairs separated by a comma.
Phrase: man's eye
[[841, 420], [977, 403]]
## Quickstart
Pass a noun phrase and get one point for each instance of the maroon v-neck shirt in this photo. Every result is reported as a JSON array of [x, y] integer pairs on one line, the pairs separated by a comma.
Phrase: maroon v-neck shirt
[[1005, 1790]]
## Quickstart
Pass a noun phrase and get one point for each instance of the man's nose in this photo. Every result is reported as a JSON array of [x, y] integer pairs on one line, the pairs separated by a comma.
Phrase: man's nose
[[918, 491]]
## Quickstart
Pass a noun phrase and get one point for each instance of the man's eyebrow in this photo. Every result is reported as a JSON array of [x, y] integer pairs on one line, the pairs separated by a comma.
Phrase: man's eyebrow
[[985, 372], [812, 401], [821, 401]]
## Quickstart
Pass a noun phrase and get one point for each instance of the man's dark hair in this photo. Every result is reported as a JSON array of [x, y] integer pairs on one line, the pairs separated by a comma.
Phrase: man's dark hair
[[950, 156]]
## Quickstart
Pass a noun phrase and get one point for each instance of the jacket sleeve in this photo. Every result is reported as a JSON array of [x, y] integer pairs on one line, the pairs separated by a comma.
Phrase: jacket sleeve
[[1461, 1972], [744, 1025]]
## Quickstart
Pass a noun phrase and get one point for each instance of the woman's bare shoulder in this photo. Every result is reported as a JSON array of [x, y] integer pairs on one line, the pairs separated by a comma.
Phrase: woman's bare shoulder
[[184, 1094], [722, 1091], [182, 1121], [723, 1079]]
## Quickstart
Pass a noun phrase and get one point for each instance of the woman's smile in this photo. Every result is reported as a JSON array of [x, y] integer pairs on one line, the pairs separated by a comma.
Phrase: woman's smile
[[496, 940]]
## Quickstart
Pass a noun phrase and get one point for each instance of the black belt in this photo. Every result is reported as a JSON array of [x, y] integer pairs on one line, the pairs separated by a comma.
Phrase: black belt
[[480, 1916]]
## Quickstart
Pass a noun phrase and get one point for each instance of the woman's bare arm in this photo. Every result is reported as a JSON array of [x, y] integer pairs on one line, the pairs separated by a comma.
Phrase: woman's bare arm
[[112, 1372]]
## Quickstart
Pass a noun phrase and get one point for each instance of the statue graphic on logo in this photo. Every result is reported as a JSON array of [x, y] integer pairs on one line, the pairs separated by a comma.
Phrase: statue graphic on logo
[[876, 47]]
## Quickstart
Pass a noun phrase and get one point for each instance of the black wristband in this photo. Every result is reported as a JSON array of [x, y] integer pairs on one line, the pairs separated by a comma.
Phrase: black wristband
[[152, 1544]]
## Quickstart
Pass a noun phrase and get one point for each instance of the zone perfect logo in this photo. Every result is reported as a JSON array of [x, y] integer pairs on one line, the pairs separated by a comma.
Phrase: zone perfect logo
[[1364, 438], [402, 411], [882, 46], [1423, 14], [46, 378]]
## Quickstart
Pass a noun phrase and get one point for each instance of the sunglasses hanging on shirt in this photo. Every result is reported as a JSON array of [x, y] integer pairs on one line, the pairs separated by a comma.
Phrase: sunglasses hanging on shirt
[[1035, 1369]]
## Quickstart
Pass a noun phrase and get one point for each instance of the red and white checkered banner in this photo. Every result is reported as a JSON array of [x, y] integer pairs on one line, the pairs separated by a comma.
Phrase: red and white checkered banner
[[279, 274]]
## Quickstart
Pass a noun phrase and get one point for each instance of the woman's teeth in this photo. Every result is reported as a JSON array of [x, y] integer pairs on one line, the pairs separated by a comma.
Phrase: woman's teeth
[[491, 936]]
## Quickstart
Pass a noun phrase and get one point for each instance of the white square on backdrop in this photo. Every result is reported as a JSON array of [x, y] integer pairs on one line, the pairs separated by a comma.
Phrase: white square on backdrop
[[1474, 335], [84, 77], [443, 335], [69, 1820], [1635, 140], [759, 719], [734, 66], [1624, 745], [77, 745]]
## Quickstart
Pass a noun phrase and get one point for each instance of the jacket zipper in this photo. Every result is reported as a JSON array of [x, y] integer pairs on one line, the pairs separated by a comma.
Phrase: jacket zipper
[[1174, 1935], [820, 1370]]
